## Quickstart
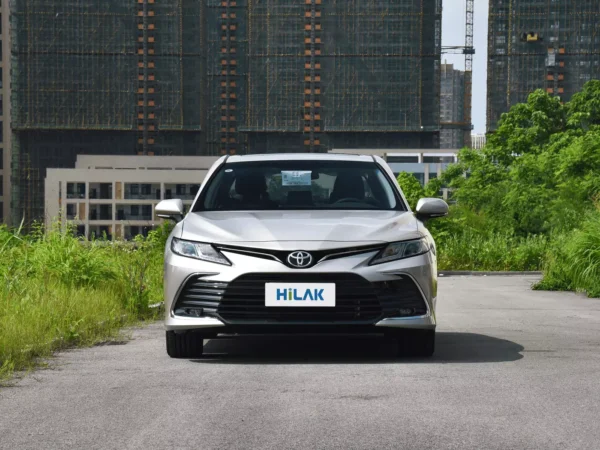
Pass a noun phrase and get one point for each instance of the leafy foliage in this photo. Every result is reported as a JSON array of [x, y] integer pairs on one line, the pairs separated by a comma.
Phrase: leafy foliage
[[413, 191], [535, 182]]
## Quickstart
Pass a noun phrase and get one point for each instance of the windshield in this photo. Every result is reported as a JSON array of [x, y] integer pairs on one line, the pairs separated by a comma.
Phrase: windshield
[[286, 185]]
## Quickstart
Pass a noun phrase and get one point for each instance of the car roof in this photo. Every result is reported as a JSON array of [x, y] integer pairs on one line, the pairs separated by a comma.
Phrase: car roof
[[300, 157]]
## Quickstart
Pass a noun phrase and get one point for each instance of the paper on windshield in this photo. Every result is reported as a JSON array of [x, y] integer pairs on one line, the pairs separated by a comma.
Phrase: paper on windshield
[[296, 177]]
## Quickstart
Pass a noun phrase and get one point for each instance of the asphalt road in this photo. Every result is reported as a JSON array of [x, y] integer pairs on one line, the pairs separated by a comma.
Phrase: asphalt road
[[514, 369]]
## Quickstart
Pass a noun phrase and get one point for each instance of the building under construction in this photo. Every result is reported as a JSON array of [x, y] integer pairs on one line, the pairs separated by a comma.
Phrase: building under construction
[[539, 44], [452, 106], [211, 77]]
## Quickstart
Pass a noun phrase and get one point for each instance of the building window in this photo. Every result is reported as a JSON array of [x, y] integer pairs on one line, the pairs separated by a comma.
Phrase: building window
[[134, 230], [101, 191], [101, 212], [438, 159], [403, 159], [181, 191], [75, 190], [134, 212], [145, 191], [80, 231], [101, 232], [71, 211]]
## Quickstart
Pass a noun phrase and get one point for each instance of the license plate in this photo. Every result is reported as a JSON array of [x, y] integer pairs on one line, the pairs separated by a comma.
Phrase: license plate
[[300, 294]]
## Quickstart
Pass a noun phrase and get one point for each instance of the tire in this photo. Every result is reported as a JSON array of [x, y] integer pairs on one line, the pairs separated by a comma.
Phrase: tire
[[184, 345], [416, 343]]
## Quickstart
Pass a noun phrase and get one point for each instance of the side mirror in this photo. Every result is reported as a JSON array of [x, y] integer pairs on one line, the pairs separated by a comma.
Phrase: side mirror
[[430, 208], [170, 209]]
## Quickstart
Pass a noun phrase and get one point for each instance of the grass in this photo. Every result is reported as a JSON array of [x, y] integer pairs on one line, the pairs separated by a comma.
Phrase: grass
[[572, 263], [473, 251], [59, 291]]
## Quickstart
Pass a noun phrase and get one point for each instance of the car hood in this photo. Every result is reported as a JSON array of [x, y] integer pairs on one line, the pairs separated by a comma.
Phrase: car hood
[[286, 229]]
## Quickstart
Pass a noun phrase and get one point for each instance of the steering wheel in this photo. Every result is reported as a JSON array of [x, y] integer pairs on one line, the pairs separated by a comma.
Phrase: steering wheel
[[348, 199]]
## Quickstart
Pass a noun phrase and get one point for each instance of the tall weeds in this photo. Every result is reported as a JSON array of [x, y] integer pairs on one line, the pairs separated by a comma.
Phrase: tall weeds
[[471, 250], [58, 290], [573, 261]]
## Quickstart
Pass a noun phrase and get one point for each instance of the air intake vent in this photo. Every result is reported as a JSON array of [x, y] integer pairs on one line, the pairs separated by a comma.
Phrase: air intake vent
[[199, 297]]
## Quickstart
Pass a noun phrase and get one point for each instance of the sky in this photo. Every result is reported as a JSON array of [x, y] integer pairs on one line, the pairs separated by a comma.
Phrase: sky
[[453, 33]]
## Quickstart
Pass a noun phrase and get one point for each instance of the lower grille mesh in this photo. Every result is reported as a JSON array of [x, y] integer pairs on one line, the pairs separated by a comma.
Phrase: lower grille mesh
[[244, 300], [357, 300]]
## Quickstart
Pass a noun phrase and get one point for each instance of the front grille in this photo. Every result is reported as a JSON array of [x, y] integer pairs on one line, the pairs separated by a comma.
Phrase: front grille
[[244, 300], [357, 300]]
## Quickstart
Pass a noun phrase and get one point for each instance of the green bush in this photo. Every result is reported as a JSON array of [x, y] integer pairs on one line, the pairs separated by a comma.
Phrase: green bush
[[573, 261], [528, 197]]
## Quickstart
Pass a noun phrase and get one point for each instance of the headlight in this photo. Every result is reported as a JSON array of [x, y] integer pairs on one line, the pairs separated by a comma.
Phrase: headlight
[[198, 250], [401, 250]]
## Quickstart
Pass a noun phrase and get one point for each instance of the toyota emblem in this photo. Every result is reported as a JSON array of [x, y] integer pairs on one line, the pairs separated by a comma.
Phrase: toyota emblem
[[300, 260]]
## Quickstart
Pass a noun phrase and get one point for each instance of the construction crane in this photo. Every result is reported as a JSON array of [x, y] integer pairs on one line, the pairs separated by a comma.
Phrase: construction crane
[[468, 50]]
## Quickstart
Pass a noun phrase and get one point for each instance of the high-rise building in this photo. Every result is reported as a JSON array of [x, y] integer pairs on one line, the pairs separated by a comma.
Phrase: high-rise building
[[192, 77], [539, 44], [5, 133], [452, 106]]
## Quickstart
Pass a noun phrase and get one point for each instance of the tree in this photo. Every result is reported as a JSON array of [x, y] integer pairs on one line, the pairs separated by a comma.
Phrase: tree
[[540, 171], [583, 111], [413, 191]]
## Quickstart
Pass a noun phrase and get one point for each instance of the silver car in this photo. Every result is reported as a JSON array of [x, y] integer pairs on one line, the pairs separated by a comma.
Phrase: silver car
[[300, 243]]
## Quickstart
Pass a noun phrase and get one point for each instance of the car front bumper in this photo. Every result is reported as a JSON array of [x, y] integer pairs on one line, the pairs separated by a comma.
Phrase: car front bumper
[[421, 269]]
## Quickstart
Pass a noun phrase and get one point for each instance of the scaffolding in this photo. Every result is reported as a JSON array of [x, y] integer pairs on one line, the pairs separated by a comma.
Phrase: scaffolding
[[452, 107], [101, 77], [547, 45], [364, 67], [210, 77]]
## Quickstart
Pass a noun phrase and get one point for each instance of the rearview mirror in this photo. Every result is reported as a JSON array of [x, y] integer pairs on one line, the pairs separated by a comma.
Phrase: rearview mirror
[[430, 208], [170, 209]]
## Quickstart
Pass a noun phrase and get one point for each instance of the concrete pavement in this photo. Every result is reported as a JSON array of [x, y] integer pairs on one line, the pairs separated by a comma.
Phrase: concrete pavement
[[513, 368]]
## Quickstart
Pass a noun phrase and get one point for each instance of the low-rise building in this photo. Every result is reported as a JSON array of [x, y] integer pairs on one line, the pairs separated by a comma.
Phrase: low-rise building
[[116, 196], [478, 141]]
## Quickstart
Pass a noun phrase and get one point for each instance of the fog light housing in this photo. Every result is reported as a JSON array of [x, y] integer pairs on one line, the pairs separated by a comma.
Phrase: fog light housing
[[194, 312]]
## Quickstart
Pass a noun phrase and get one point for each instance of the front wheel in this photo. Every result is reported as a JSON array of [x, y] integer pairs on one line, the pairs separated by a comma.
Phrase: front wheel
[[184, 345], [417, 343]]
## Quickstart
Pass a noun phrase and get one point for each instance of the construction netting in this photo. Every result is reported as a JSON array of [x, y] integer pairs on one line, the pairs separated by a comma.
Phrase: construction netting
[[209, 77], [532, 45], [377, 65]]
